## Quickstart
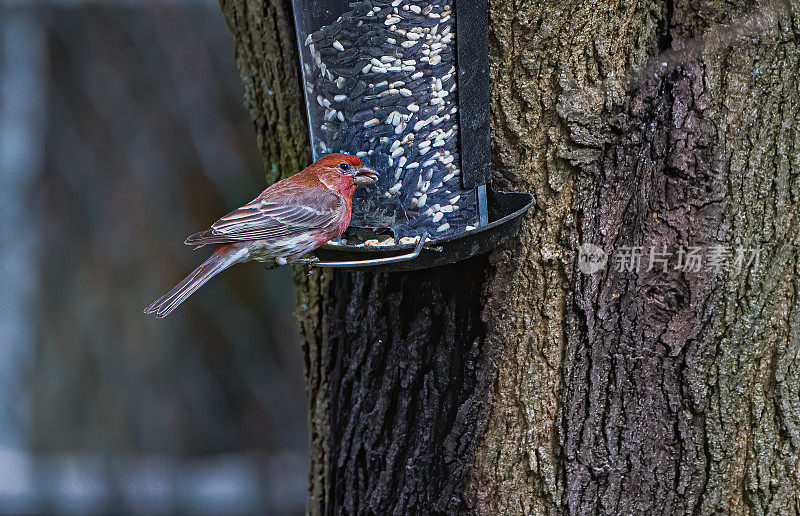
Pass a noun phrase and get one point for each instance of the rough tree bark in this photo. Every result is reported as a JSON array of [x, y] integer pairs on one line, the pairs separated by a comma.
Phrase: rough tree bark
[[514, 383]]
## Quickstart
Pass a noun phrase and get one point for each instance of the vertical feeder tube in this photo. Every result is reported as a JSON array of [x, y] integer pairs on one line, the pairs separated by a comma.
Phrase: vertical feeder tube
[[380, 80]]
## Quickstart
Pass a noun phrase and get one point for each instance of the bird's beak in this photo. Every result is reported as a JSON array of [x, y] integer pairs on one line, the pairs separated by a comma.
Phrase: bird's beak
[[365, 176]]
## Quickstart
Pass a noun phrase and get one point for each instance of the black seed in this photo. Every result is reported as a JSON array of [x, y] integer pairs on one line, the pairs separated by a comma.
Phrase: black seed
[[320, 35], [448, 83], [346, 72], [418, 84], [374, 52], [360, 8], [368, 114], [428, 22], [388, 100], [357, 90]]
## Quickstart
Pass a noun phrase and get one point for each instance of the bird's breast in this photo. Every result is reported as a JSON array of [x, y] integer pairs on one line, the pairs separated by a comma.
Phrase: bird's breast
[[344, 215]]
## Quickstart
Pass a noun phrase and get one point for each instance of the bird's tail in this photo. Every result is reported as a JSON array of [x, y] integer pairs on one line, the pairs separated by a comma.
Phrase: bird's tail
[[216, 263]]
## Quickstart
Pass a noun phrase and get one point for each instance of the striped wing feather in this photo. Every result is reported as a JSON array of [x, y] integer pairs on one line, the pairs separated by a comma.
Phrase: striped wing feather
[[282, 217]]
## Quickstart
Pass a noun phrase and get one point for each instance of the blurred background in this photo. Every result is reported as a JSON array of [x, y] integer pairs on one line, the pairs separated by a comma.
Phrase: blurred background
[[122, 130]]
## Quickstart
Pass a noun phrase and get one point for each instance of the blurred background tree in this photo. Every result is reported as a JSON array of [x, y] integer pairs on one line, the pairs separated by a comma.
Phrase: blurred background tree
[[123, 130]]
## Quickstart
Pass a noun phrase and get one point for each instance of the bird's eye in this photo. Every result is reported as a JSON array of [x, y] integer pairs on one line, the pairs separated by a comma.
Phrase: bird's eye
[[344, 166]]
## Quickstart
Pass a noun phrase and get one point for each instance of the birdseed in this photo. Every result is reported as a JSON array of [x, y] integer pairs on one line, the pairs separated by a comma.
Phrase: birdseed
[[382, 84]]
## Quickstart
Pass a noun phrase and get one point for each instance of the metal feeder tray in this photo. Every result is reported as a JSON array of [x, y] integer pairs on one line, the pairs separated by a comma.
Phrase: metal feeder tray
[[505, 220]]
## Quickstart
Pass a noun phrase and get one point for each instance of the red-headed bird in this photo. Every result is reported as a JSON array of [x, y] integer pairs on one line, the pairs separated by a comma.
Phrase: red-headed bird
[[288, 220]]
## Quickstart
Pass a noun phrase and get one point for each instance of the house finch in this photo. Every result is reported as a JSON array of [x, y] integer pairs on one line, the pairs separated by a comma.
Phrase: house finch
[[288, 220]]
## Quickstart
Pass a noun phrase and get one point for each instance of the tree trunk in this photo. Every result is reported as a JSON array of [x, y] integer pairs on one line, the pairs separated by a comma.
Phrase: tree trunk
[[514, 383]]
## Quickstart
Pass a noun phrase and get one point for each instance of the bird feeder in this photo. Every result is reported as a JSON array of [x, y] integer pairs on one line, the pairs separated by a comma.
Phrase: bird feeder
[[404, 85]]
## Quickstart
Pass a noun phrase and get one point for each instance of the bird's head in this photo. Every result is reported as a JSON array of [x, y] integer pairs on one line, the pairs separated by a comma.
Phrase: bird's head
[[346, 167]]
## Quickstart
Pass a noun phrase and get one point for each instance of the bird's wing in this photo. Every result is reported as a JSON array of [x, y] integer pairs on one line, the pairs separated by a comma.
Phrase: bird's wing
[[294, 212]]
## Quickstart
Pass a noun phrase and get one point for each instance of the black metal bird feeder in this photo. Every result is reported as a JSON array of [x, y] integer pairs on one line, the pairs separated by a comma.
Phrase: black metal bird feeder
[[405, 87]]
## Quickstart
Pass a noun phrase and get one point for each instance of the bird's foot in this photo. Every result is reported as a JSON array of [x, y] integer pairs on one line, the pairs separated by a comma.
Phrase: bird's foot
[[306, 260]]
